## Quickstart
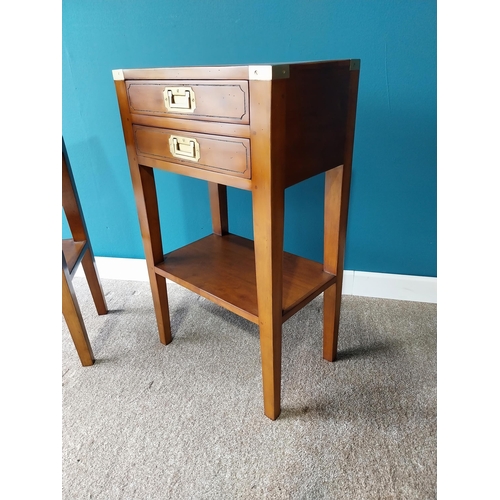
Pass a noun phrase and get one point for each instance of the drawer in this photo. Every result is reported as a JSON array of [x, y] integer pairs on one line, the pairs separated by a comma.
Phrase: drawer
[[221, 101], [227, 155]]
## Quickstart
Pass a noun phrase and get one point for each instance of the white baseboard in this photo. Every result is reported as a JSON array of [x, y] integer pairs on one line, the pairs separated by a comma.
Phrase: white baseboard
[[381, 285], [112, 268], [390, 286]]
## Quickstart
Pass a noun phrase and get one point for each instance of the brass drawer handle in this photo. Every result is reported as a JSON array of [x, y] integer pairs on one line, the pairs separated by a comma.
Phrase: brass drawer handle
[[179, 99], [184, 147]]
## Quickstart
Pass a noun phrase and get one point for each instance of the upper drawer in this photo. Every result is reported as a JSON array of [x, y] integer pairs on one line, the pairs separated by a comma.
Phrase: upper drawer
[[220, 101]]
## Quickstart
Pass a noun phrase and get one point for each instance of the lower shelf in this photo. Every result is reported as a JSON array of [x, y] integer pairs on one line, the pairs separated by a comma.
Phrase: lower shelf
[[73, 251], [222, 269]]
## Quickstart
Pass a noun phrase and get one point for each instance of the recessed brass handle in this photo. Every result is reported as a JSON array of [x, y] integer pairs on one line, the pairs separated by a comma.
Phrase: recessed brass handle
[[184, 147], [179, 99]]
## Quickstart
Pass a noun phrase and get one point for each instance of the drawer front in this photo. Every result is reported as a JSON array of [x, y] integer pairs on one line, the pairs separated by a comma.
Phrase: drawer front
[[221, 101], [227, 155]]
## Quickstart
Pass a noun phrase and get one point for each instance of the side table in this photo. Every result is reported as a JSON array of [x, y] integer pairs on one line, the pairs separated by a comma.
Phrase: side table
[[75, 251], [261, 128]]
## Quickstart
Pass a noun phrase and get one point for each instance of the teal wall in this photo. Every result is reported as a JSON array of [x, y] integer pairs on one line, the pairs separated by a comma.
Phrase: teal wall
[[392, 218]]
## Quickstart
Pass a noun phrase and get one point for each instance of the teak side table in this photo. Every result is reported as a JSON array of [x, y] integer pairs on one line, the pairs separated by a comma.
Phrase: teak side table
[[75, 251], [261, 128]]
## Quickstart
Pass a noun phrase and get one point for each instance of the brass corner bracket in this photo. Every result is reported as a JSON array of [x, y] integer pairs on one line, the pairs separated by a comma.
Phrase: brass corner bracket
[[355, 64], [269, 72]]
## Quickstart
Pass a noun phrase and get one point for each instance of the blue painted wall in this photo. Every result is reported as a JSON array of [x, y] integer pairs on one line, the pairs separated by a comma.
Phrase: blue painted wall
[[392, 218]]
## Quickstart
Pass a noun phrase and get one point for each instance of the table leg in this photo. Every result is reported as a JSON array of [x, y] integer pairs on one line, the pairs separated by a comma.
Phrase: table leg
[[90, 269], [336, 204], [332, 264], [147, 208], [337, 190], [149, 219], [74, 320], [218, 208], [268, 213]]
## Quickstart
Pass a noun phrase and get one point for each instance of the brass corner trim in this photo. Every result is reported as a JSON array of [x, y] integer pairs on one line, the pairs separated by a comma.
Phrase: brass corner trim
[[118, 74], [355, 64], [269, 72]]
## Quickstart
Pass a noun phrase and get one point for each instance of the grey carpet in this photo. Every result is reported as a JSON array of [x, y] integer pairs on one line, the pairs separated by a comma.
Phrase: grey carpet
[[185, 421]]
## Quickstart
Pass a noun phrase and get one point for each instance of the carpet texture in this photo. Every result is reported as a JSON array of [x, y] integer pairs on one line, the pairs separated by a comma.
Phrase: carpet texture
[[185, 421]]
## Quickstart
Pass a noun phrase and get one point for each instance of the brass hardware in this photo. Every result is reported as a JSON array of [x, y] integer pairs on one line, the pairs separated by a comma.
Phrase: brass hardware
[[184, 147], [179, 99], [355, 64], [268, 72]]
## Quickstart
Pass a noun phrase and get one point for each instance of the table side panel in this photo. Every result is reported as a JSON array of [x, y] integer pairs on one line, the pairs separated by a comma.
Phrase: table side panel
[[316, 118]]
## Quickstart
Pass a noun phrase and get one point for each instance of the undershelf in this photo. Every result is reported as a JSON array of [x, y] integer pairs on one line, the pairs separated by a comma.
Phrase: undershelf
[[73, 252], [222, 269]]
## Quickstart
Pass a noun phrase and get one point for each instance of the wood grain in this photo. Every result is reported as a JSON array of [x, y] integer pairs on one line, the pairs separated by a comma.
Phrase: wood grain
[[74, 320], [268, 113], [218, 208], [144, 187], [202, 127], [76, 250], [337, 190], [317, 106], [73, 253], [292, 129], [217, 101], [228, 179], [222, 269], [228, 155]]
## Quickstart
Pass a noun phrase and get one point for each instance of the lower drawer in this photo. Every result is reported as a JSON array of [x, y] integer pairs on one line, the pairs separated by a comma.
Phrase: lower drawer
[[228, 155]]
